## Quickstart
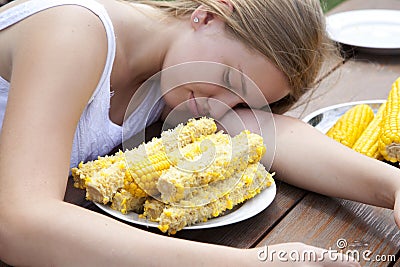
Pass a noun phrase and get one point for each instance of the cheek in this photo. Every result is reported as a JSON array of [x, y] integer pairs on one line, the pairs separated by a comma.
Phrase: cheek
[[175, 97], [195, 74], [208, 90]]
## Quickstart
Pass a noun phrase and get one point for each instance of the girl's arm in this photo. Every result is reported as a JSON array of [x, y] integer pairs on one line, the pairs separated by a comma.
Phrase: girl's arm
[[306, 158], [54, 74]]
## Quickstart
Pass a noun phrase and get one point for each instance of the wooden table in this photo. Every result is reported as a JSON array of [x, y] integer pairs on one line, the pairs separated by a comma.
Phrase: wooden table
[[298, 215]]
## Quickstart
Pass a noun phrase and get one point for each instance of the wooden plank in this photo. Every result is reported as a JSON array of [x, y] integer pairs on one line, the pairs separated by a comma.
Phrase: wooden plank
[[328, 66], [350, 82], [356, 5], [322, 221], [364, 77]]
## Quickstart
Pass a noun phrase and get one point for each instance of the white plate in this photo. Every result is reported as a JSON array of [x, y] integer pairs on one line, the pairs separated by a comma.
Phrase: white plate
[[249, 209], [323, 119], [376, 30]]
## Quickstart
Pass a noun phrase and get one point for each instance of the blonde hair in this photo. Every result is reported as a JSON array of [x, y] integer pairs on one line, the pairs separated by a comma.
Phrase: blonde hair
[[290, 33]]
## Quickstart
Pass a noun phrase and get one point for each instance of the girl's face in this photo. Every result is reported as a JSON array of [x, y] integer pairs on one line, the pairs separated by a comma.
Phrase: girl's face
[[207, 72]]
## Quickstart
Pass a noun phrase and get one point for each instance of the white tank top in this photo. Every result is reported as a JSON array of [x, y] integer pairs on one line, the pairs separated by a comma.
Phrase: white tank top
[[96, 134]]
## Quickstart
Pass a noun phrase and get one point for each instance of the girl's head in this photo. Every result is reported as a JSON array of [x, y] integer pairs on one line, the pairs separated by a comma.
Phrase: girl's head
[[290, 34]]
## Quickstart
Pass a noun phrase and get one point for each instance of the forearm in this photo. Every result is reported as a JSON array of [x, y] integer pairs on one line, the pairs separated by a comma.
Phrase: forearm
[[308, 159], [304, 157], [59, 234]]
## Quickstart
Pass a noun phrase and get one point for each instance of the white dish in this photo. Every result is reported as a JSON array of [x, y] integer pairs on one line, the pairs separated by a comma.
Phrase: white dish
[[323, 119], [373, 30], [249, 209]]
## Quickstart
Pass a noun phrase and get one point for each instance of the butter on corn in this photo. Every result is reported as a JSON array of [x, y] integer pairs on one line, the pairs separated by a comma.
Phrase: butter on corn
[[85, 171], [101, 178], [137, 170], [174, 218], [198, 172], [124, 202], [152, 209], [228, 156]]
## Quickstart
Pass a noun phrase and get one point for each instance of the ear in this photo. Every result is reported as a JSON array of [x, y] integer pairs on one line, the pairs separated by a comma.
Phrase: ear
[[201, 16]]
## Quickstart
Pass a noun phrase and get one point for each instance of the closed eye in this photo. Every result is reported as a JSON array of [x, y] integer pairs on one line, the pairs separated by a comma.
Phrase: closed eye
[[227, 79]]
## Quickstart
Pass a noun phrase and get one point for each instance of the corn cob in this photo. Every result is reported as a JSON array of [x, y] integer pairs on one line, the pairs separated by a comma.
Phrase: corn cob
[[136, 170], [224, 172], [103, 177], [230, 156], [146, 164], [148, 161], [123, 201], [215, 190], [351, 125], [152, 209], [83, 172], [184, 134], [254, 179], [389, 141], [367, 143]]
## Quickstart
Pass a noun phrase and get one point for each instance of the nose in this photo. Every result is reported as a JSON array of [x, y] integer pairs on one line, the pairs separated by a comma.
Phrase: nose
[[223, 103]]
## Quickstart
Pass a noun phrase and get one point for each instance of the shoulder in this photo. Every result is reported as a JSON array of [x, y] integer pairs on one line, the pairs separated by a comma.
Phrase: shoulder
[[63, 17], [55, 29], [60, 51], [60, 35], [55, 15]]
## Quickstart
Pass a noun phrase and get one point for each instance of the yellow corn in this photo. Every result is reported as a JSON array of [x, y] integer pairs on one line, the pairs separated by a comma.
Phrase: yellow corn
[[145, 165], [367, 143], [102, 177], [152, 209], [350, 126], [185, 134], [174, 218], [389, 141], [84, 171], [137, 170], [203, 172], [209, 160], [124, 202], [148, 161]]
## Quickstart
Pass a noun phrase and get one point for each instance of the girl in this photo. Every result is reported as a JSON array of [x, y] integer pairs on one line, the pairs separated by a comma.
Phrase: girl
[[61, 60]]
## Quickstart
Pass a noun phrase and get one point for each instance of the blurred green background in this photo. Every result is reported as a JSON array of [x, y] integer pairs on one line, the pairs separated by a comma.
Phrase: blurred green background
[[329, 4]]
